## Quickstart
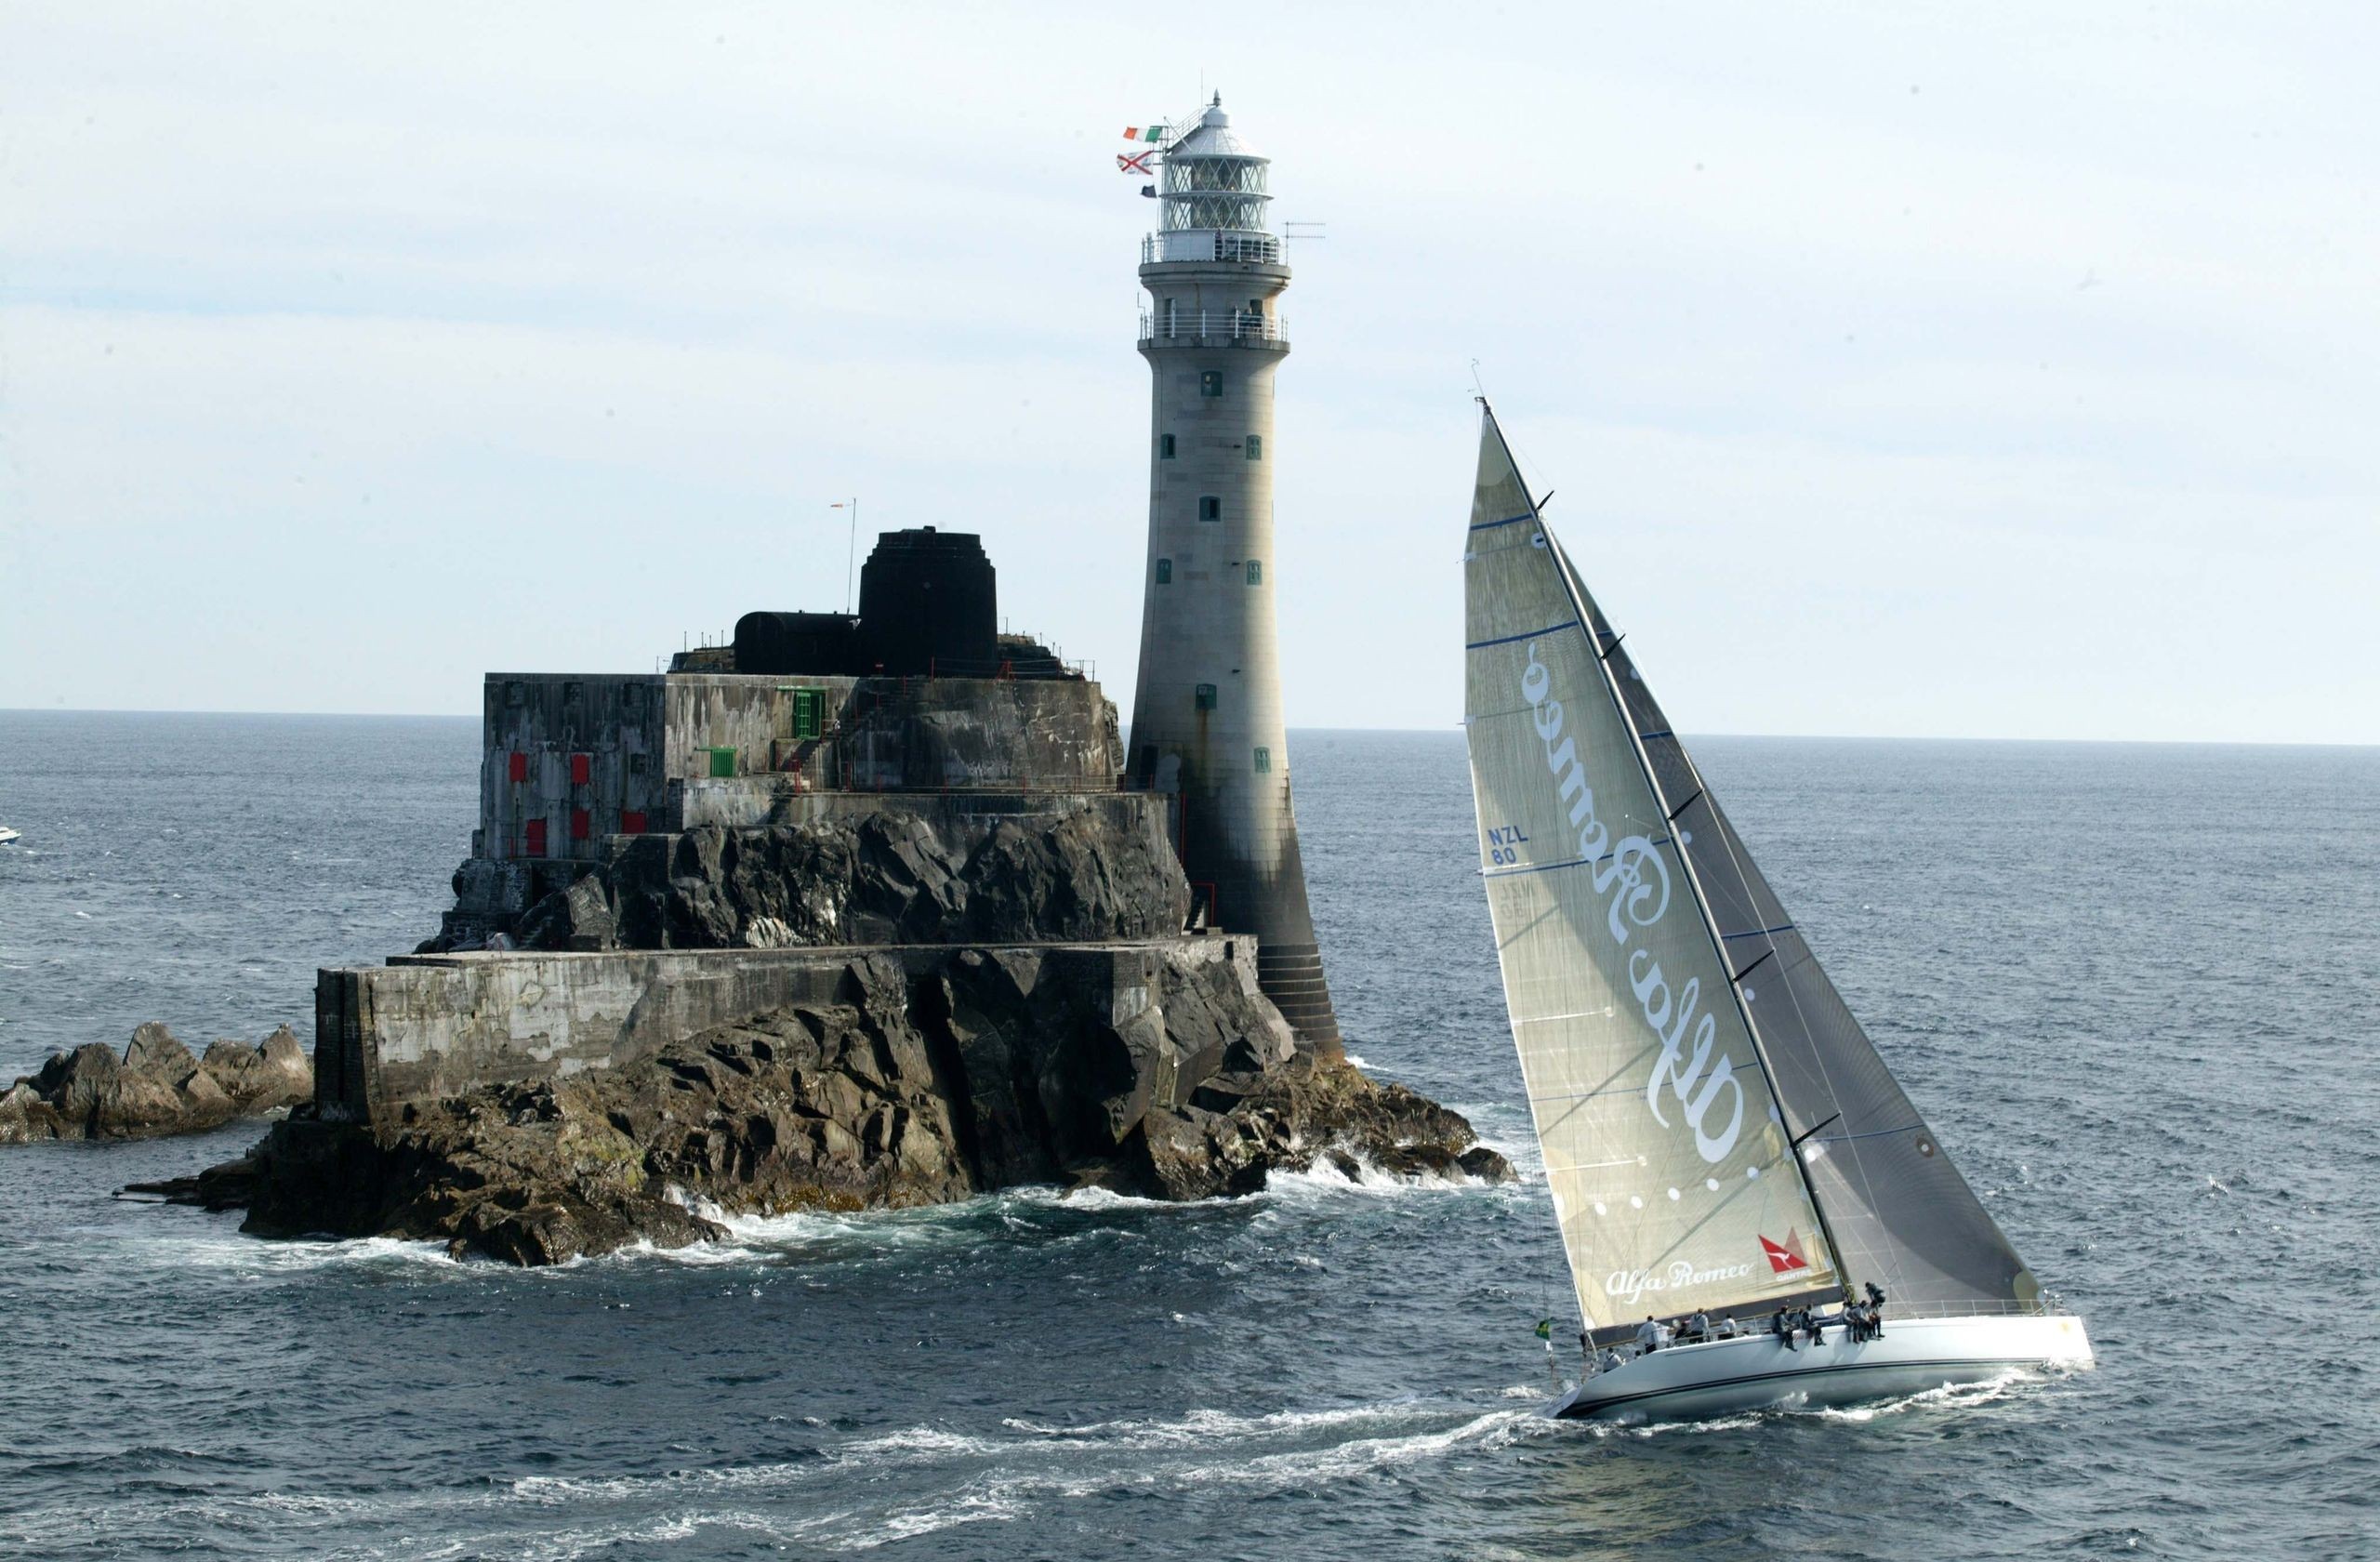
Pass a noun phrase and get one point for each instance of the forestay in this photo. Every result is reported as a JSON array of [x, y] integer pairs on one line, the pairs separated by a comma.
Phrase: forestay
[[1670, 1168]]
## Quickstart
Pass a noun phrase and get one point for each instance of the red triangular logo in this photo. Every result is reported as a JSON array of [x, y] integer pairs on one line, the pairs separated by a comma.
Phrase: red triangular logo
[[1786, 1256]]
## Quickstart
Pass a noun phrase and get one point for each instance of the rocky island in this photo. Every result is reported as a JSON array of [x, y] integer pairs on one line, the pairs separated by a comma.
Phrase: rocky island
[[765, 934], [157, 1088]]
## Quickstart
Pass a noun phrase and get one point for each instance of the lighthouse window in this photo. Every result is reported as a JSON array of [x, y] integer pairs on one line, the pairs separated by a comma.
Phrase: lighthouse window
[[1209, 508], [1255, 448], [1165, 572], [1206, 696], [1165, 448], [1263, 761], [1256, 571], [1210, 382]]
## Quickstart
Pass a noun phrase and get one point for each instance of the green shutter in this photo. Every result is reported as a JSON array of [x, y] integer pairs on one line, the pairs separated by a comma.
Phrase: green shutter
[[808, 714], [723, 762]]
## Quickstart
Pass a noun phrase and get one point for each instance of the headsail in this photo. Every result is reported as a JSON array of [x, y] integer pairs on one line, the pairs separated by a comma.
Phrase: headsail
[[1900, 1212], [1666, 1152]]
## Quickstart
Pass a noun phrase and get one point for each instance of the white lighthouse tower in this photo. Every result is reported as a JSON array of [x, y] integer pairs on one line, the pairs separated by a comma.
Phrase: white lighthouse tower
[[1207, 712]]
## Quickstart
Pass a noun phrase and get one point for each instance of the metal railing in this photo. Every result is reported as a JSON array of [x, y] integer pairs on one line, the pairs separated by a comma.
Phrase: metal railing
[[1199, 245], [1213, 328]]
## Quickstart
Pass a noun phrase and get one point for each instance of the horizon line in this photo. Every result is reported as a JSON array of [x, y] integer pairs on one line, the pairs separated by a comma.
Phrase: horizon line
[[1450, 727]]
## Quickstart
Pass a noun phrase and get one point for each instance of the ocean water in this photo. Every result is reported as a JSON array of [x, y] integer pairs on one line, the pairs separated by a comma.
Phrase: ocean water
[[2133, 988]]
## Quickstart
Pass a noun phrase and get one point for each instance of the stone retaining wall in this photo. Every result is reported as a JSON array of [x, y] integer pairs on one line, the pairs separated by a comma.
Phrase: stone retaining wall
[[425, 1026]]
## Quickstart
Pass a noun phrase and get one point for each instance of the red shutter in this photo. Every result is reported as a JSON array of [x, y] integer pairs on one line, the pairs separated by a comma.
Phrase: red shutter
[[536, 829], [631, 822], [519, 766], [578, 823], [581, 766]]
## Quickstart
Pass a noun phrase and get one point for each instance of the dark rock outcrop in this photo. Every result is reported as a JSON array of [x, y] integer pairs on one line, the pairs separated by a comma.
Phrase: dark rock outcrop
[[998, 1070], [887, 877], [156, 1089]]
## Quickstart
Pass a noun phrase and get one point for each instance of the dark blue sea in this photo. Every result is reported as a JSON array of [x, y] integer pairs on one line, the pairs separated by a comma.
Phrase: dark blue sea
[[2133, 988]]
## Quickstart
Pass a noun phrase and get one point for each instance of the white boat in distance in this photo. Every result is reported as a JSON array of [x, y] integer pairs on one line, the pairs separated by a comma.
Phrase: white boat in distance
[[8, 835], [1719, 1136]]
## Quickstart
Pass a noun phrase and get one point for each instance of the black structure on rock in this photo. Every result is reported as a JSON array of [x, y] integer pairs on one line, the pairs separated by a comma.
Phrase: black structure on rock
[[929, 607]]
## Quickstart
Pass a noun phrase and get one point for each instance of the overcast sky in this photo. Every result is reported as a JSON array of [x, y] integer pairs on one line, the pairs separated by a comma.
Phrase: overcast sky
[[1989, 370]]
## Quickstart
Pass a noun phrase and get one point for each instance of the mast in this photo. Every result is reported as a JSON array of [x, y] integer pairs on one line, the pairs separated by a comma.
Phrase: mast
[[1693, 880]]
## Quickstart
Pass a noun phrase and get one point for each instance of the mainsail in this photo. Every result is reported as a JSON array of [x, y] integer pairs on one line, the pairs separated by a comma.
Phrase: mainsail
[[1676, 1034]]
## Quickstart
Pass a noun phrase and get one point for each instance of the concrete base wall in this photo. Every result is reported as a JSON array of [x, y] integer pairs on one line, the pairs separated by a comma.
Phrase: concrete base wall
[[425, 1027]]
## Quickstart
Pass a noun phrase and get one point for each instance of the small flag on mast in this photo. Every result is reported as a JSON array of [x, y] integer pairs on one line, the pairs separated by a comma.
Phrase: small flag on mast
[[1145, 132]]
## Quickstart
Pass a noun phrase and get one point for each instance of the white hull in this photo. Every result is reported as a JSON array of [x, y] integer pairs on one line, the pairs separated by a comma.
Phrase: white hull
[[7, 835], [1693, 1382]]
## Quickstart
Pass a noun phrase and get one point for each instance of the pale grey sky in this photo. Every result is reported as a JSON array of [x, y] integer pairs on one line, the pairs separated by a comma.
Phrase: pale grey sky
[[1991, 371]]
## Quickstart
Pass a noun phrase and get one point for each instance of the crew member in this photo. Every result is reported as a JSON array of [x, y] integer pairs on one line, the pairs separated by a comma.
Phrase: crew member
[[1875, 1311], [1780, 1323], [1648, 1335], [1698, 1328]]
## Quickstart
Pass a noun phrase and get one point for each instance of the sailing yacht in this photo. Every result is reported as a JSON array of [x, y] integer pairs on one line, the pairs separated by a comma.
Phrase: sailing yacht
[[1719, 1136]]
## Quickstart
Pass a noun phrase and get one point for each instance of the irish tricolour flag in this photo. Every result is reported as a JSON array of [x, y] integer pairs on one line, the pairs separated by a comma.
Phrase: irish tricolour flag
[[1145, 132]]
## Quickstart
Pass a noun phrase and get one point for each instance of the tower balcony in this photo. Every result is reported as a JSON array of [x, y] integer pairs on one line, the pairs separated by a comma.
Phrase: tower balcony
[[1207, 246], [1181, 327]]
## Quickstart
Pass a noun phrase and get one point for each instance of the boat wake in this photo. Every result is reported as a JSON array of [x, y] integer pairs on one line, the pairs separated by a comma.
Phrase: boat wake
[[855, 1493], [859, 1491], [2007, 1385], [1950, 1396]]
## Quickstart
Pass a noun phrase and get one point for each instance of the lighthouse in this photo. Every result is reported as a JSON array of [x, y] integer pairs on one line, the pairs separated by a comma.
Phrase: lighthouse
[[1207, 723]]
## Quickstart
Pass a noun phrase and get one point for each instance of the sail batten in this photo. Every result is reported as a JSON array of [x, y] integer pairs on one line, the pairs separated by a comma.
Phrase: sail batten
[[1654, 920]]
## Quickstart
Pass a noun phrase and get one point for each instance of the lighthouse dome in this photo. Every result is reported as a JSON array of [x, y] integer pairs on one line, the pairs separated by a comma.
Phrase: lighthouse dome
[[1213, 137]]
